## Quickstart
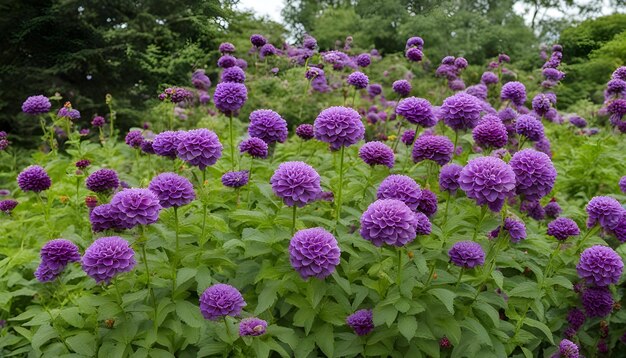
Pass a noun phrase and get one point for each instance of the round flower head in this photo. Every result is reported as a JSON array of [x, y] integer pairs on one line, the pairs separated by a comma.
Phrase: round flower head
[[457, 85], [552, 75], [200, 80], [165, 143], [83, 163], [530, 127], [233, 74], [68, 112], [467, 254], [229, 97], [105, 217], [309, 42], [449, 177], [339, 126], [461, 111], [172, 190], [414, 54], [134, 139], [408, 137], [313, 72], [257, 40], [361, 322], [221, 300], [416, 111], [146, 147], [488, 180], [358, 79], [515, 228], [479, 91], [374, 89], [108, 257], [619, 74], [437, 148], [8, 205], [424, 226], [377, 153], [389, 221], [199, 147], [267, 50], [576, 318], [597, 301], [314, 253], [562, 228], [622, 184], [604, 210], [541, 104], [102, 180], [402, 87], [400, 187], [226, 47], [514, 92], [297, 183], [578, 122], [34, 178], [45, 273], [600, 266], [226, 61], [533, 208], [363, 60], [36, 105], [427, 203], [56, 254], [305, 131], [568, 349], [255, 147], [414, 41], [267, 125], [489, 78], [252, 327], [490, 132], [136, 207], [552, 209], [235, 179], [534, 172]]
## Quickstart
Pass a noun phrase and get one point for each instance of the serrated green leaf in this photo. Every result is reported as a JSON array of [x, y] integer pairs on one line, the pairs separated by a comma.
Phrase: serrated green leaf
[[407, 325], [73, 317], [498, 278], [267, 297], [488, 310], [325, 340], [189, 313], [541, 326], [481, 333], [445, 296], [385, 314], [83, 343], [525, 289], [43, 335]]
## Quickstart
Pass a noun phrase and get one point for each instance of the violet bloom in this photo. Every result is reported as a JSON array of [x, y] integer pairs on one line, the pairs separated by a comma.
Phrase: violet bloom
[[467, 254], [258, 40], [541, 104], [377, 153], [102, 180], [577, 121], [134, 139], [229, 97], [516, 229], [575, 318], [529, 127], [55, 255], [267, 125], [83, 163], [358, 80], [252, 327], [255, 147], [400, 187], [563, 228], [568, 349], [7, 206], [604, 210], [533, 208], [361, 322], [552, 209], [389, 221], [597, 301], [226, 47], [479, 91], [165, 143], [449, 177], [600, 265], [489, 181], [437, 148], [68, 112], [415, 41], [305, 131], [226, 61], [489, 78], [297, 183], [34, 178], [408, 137], [221, 300], [622, 184], [534, 172], [402, 87], [172, 190], [107, 257], [314, 253], [136, 207], [36, 105], [105, 217], [339, 126], [199, 147], [363, 60], [200, 80], [427, 203], [490, 132], [416, 111], [374, 89], [461, 111], [233, 74], [414, 54], [514, 92], [235, 179]]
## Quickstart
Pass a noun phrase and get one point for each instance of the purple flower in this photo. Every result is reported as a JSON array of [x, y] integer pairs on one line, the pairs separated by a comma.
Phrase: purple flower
[[68, 112], [172, 190], [461, 111], [533, 208], [416, 111], [105, 217], [578, 122], [309, 42], [576, 318], [543, 145], [107, 257], [339, 126], [562, 228], [226, 61], [255, 147], [165, 143], [490, 132], [377, 153], [449, 177], [414, 54], [267, 125], [361, 322], [604, 210], [200, 80], [600, 265], [568, 349], [45, 273], [363, 60], [252, 327], [56, 254], [622, 184], [314, 253], [102, 180], [136, 207], [456, 84], [134, 139], [488, 180], [415, 41], [221, 300], [516, 229], [235, 179], [507, 115], [226, 47], [402, 87], [267, 50], [233, 74], [424, 226], [467, 254], [552, 209], [619, 74], [82, 164], [514, 92], [257, 40], [541, 104], [179, 94], [358, 79], [389, 221], [427, 203], [489, 78], [534, 172], [479, 91], [34, 178], [400, 187], [305, 131], [199, 147], [597, 301], [374, 89], [552, 74], [313, 72], [229, 97], [437, 148], [297, 183], [529, 127], [408, 137], [36, 105], [7, 205]]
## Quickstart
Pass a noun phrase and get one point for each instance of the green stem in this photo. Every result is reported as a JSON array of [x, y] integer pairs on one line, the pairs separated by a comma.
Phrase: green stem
[[430, 275], [340, 186], [550, 262], [590, 232], [445, 213], [306, 89], [44, 208], [483, 212], [456, 140], [458, 280], [354, 97], [232, 141], [250, 185], [176, 253], [204, 207], [399, 279], [395, 144], [228, 330], [77, 188], [142, 244], [293, 221]]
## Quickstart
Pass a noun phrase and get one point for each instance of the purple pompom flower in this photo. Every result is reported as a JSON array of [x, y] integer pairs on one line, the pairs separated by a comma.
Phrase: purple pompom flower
[[577, 121], [377, 153], [490, 132], [449, 177], [134, 139], [200, 80], [102, 180], [358, 80], [339, 126], [7, 206], [56, 254], [600, 265], [235, 179], [530, 127], [267, 50], [297, 183], [534, 172], [226, 47], [424, 226], [267, 125], [408, 137], [479, 91], [488, 180], [361, 322], [258, 40], [515, 228], [400, 187], [305, 131], [36, 105], [461, 111], [416, 111], [533, 208], [552, 209], [402, 87], [622, 184], [221, 300], [414, 54], [389, 221], [514, 92], [165, 143], [604, 210], [427, 203], [309, 42], [108, 257], [597, 301], [34, 178], [255, 147], [83, 163], [415, 41], [226, 61], [437, 148], [252, 327], [136, 207], [363, 60], [105, 217], [563, 228], [467, 254], [199, 147], [489, 78], [568, 349], [233, 74], [541, 104], [374, 89], [229, 97], [576, 318], [172, 190], [314, 253]]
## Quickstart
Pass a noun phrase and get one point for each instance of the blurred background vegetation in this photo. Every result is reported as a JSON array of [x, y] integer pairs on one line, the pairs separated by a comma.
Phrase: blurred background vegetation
[[133, 49]]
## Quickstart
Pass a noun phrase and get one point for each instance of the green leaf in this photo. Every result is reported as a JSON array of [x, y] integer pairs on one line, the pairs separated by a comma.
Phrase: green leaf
[[541, 326], [561, 281], [71, 316], [325, 340], [407, 325], [487, 309], [184, 274], [189, 313], [481, 333], [385, 314], [267, 297], [498, 278], [342, 282], [527, 352], [212, 349], [44, 334], [445, 296], [525, 289], [83, 343]]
